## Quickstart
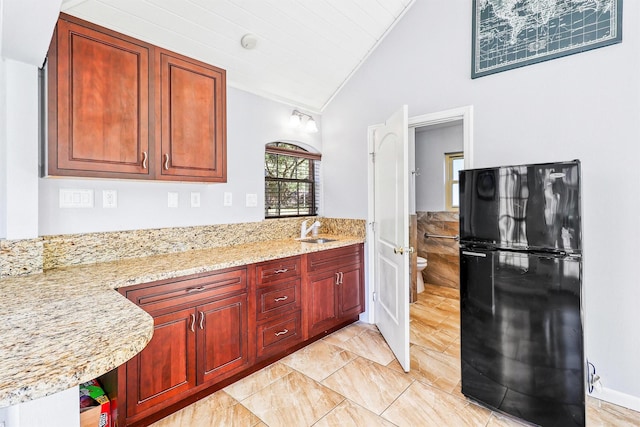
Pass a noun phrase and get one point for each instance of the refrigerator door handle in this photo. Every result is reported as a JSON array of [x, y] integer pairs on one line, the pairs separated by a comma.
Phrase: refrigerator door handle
[[478, 254]]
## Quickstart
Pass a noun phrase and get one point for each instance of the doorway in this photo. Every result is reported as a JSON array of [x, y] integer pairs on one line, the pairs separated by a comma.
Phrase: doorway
[[433, 218], [463, 115]]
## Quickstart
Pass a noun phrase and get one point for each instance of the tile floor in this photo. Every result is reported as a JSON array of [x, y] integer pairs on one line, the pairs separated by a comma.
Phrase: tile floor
[[351, 378]]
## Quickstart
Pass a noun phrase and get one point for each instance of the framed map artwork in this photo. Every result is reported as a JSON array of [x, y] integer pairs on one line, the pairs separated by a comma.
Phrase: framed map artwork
[[514, 33]]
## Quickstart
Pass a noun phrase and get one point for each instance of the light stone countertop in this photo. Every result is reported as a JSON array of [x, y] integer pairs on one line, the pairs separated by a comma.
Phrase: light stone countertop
[[67, 325]]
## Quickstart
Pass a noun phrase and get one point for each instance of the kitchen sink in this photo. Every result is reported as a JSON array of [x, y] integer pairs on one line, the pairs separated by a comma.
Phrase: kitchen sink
[[317, 240]]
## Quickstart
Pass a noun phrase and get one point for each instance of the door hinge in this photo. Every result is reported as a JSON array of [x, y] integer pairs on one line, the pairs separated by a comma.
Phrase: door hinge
[[374, 296], [373, 156], [372, 224]]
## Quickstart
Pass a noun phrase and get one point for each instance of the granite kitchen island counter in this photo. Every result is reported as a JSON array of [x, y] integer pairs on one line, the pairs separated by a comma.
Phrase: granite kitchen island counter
[[68, 325]]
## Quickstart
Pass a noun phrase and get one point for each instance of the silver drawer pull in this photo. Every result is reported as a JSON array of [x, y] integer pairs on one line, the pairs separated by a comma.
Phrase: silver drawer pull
[[284, 298], [166, 162], [144, 160], [201, 320], [284, 270], [198, 289], [193, 322], [286, 331]]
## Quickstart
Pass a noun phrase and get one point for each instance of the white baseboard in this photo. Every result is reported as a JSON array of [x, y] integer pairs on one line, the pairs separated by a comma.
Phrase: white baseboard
[[618, 398]]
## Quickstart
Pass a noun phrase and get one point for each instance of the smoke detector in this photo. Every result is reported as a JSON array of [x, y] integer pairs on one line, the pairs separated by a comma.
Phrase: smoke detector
[[249, 41]]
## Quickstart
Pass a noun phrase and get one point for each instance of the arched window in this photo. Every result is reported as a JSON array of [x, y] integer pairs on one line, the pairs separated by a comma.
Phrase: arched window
[[291, 181]]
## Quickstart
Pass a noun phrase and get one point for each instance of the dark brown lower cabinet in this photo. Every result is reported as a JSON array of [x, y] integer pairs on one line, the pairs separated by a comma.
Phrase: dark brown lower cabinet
[[190, 348], [214, 328], [166, 367], [335, 288], [278, 334], [321, 306], [223, 346]]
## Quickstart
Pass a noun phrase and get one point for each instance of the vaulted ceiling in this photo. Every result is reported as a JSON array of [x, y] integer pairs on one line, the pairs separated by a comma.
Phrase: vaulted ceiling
[[306, 49]]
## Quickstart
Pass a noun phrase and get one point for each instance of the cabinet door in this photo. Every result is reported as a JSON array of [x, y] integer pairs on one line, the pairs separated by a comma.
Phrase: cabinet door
[[223, 345], [166, 367], [350, 294], [98, 104], [321, 302], [193, 119]]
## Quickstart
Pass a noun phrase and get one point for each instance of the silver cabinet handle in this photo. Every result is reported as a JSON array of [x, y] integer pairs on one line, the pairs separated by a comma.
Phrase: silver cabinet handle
[[144, 160], [286, 331], [284, 270], [341, 277], [198, 289], [166, 162], [284, 298], [337, 278], [193, 322], [201, 320]]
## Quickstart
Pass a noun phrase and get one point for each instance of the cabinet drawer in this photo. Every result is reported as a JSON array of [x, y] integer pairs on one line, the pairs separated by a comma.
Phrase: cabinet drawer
[[161, 295], [277, 299], [278, 334], [333, 258], [280, 269]]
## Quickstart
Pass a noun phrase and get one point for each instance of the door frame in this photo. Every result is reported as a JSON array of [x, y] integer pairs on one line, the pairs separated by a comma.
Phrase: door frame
[[464, 114]]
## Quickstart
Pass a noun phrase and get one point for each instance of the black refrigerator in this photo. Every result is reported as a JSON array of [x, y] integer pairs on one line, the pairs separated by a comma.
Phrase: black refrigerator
[[520, 291]]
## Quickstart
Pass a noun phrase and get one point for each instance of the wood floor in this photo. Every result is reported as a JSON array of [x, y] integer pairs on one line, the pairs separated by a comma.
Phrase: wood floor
[[351, 378]]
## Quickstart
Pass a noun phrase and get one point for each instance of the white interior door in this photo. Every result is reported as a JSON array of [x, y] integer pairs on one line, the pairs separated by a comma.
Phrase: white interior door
[[391, 233]]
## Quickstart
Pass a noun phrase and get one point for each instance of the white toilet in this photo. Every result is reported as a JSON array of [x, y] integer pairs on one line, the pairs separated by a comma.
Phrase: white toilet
[[422, 263]]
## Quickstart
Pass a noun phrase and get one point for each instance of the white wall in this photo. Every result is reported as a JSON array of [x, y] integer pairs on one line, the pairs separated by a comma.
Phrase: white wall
[[21, 150], [432, 143], [27, 40], [252, 121], [583, 106]]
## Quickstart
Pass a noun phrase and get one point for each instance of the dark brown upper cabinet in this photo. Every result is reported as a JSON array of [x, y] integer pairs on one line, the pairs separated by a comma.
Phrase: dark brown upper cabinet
[[193, 119], [122, 108]]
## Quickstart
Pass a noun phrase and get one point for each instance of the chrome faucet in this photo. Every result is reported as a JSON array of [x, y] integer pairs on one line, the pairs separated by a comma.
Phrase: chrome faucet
[[304, 230]]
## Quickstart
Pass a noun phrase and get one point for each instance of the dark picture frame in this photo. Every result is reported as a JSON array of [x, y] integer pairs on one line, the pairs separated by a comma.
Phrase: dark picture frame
[[520, 36]]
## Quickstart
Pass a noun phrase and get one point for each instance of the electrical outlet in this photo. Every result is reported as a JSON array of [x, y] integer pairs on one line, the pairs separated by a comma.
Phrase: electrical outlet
[[252, 200], [109, 199], [228, 199], [195, 200], [172, 199]]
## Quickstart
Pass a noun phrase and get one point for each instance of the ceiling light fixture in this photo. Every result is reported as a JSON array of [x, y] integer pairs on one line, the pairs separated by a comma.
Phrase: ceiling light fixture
[[303, 121], [249, 41]]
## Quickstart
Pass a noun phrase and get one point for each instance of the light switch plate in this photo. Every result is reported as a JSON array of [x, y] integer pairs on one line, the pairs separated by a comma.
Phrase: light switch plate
[[195, 199], [76, 198], [172, 199], [252, 200], [228, 199], [109, 199]]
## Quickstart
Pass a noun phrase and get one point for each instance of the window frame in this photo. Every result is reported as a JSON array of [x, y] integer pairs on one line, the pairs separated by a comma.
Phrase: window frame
[[299, 153], [450, 180]]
